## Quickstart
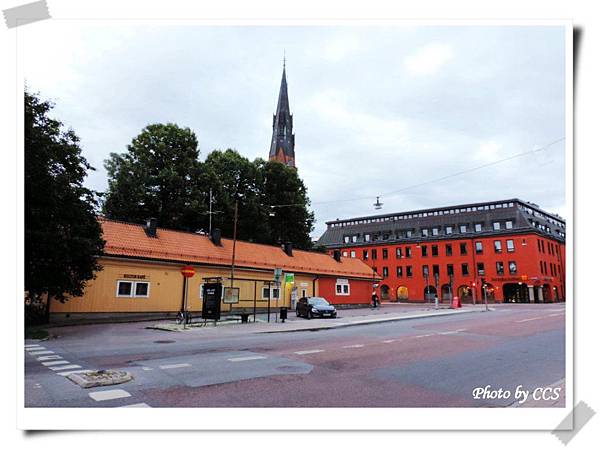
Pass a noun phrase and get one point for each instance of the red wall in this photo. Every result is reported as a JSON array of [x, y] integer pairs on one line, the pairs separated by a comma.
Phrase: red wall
[[360, 292], [527, 255]]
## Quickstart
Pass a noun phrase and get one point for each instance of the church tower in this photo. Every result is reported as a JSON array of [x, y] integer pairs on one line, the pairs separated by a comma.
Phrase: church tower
[[283, 142]]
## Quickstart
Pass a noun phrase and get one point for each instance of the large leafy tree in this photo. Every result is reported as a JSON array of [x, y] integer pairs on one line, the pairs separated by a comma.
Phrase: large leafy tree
[[62, 234], [289, 217], [159, 176]]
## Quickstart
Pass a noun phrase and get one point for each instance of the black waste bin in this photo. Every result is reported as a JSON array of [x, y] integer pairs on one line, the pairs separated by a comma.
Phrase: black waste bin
[[283, 313]]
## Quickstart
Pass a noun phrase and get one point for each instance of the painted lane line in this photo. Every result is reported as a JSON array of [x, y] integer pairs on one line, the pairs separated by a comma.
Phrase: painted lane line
[[101, 396], [69, 372], [353, 346], [308, 352], [422, 336], [69, 366], [246, 358], [554, 315], [175, 366], [389, 341], [55, 363], [44, 352], [527, 320], [49, 357], [137, 405], [453, 332]]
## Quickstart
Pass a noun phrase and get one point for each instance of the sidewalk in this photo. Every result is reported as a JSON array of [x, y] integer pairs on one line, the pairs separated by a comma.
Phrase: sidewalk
[[346, 318]]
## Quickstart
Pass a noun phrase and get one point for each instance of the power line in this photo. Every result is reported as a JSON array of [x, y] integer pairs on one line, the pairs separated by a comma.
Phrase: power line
[[436, 180]]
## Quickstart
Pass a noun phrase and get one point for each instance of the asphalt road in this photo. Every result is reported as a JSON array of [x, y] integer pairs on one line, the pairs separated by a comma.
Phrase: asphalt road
[[430, 362]]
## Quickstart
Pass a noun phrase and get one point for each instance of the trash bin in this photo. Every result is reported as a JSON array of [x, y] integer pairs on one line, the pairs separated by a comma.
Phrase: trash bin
[[283, 313]]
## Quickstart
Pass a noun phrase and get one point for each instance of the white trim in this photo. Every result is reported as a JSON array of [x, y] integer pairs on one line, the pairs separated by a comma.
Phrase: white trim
[[132, 293]]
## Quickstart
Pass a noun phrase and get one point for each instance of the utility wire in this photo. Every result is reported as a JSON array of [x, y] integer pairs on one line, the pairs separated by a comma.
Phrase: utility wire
[[436, 180]]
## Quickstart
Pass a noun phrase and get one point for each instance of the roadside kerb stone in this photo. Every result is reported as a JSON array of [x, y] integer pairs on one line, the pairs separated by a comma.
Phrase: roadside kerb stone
[[100, 378], [326, 326]]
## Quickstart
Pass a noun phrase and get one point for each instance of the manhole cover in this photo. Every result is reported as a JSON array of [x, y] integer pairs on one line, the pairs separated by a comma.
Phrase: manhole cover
[[164, 342]]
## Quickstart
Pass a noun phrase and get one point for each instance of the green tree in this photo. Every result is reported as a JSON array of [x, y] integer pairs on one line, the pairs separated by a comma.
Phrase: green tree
[[159, 176], [62, 234], [289, 218]]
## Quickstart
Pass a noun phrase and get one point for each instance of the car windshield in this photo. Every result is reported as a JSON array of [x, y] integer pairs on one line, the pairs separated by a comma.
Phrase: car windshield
[[318, 301]]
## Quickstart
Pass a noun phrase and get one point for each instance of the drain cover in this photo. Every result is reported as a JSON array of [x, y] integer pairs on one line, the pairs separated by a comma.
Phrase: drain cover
[[164, 342]]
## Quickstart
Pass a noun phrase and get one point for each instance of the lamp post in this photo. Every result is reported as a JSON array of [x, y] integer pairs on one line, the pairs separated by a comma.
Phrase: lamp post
[[483, 286], [436, 277]]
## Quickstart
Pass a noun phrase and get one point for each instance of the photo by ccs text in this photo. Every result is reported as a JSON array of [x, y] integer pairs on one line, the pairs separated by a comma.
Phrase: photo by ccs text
[[520, 394]]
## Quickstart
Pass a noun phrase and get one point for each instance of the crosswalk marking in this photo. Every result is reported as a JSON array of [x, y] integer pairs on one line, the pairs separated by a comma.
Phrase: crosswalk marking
[[43, 352], [55, 363], [354, 346], [389, 341], [246, 358], [112, 394], [69, 366], [175, 366], [136, 405], [49, 357], [33, 346], [69, 372], [307, 352]]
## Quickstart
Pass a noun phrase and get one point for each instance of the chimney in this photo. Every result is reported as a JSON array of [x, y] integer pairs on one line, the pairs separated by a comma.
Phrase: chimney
[[287, 248], [151, 227], [215, 236], [337, 255]]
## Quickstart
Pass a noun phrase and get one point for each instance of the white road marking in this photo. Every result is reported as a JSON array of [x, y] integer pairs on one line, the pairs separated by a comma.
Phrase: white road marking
[[246, 358], [70, 366], [44, 352], [136, 405], [101, 396], [49, 357], [55, 363], [554, 315], [453, 332], [307, 352], [69, 372], [147, 368], [34, 346], [353, 346], [422, 335], [175, 366], [389, 341], [527, 320]]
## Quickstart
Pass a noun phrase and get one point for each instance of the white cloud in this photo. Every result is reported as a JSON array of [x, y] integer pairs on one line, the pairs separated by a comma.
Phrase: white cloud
[[429, 59], [488, 152]]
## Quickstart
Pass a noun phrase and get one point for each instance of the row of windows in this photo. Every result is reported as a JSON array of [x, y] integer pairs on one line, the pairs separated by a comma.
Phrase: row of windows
[[442, 212], [551, 247], [554, 269], [406, 252], [544, 216], [464, 268], [427, 232]]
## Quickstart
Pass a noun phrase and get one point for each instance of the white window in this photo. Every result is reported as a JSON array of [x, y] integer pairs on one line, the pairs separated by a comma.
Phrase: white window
[[352, 254], [477, 227], [496, 225], [354, 238], [425, 232], [448, 230], [509, 224], [463, 228], [367, 237], [345, 254], [435, 231], [274, 293], [346, 239], [133, 288], [342, 287]]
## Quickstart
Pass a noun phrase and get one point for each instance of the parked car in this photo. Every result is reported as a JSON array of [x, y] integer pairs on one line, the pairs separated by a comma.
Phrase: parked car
[[310, 307]]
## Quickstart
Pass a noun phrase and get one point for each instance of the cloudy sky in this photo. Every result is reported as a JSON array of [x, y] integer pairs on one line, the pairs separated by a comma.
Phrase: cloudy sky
[[377, 110]]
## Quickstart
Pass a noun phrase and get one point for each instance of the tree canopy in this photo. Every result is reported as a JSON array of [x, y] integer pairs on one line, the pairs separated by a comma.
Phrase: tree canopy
[[162, 176], [62, 234]]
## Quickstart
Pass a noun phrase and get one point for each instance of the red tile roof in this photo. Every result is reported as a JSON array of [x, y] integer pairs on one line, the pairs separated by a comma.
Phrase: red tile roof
[[131, 240]]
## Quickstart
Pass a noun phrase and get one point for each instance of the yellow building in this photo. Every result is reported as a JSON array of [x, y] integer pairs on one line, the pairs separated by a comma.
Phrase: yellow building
[[141, 275]]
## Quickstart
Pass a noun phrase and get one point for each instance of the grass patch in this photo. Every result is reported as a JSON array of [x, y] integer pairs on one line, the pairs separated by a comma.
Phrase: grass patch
[[36, 333]]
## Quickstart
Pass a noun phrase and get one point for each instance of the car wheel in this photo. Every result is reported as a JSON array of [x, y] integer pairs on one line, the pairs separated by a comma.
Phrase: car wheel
[[309, 315]]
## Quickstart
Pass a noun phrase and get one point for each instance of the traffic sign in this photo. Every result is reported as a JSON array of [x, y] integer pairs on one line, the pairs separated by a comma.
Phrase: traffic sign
[[188, 271]]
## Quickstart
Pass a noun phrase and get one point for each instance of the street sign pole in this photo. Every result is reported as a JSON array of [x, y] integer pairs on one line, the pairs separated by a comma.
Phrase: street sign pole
[[483, 284], [436, 277]]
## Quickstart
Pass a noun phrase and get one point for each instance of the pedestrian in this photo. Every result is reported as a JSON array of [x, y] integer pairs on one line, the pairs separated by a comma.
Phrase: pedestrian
[[375, 299]]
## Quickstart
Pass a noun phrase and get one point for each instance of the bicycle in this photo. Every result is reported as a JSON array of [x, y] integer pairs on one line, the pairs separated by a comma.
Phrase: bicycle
[[180, 317]]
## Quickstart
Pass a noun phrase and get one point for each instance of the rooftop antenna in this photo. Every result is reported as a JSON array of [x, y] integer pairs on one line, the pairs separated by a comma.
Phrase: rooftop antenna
[[377, 204]]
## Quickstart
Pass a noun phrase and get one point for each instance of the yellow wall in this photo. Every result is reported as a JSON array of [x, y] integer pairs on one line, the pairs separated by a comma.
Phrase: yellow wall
[[166, 287]]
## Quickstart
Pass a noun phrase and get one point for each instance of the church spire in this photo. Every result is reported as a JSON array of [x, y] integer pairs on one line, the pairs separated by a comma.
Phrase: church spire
[[283, 141]]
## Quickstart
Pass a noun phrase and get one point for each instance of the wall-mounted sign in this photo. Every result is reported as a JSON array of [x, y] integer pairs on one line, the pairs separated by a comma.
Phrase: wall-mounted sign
[[134, 276], [277, 275], [289, 278], [231, 295]]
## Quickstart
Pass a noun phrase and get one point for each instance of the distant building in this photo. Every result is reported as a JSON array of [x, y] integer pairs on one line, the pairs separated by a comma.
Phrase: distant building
[[516, 247], [283, 142]]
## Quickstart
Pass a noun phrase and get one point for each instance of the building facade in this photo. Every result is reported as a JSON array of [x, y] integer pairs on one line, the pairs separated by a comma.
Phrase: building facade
[[141, 275], [508, 251], [283, 141]]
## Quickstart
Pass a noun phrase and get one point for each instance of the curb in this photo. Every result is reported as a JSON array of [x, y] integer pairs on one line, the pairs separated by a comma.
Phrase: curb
[[371, 321]]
